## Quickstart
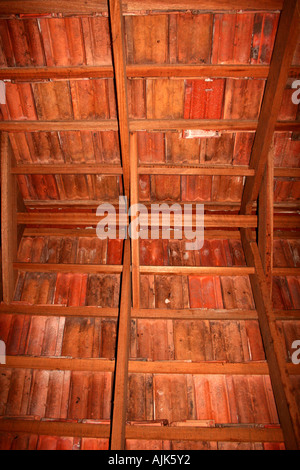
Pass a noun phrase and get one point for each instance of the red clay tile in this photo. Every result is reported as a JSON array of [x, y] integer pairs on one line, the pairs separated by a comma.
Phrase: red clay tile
[[205, 292], [264, 33], [232, 38], [204, 99], [243, 98], [190, 37], [151, 147], [242, 148]]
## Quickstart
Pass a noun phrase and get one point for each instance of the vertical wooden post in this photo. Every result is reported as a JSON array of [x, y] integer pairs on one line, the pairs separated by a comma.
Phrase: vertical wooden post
[[134, 196], [266, 220], [121, 372], [10, 232]]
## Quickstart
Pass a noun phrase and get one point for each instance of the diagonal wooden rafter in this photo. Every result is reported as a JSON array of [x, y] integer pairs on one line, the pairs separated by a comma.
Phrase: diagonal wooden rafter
[[287, 35], [283, 392]]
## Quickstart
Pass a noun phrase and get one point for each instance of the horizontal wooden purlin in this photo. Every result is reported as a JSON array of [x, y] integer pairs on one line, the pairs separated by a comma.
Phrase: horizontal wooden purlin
[[236, 433], [286, 221], [58, 363], [142, 367], [58, 310], [17, 308], [287, 314], [57, 126], [199, 368], [117, 269], [89, 219], [68, 268], [36, 7], [67, 169], [55, 428], [201, 71], [287, 234], [287, 172], [140, 71], [142, 125], [224, 433], [82, 219], [286, 271], [230, 125], [195, 170], [93, 204], [62, 232], [61, 73], [197, 270], [68, 7], [193, 314]]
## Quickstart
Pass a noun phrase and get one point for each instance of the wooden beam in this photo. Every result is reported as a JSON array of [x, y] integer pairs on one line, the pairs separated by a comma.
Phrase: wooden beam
[[266, 220], [198, 368], [91, 232], [201, 71], [283, 391], [286, 40], [67, 169], [123, 367], [143, 125], [49, 363], [119, 62], [195, 170], [88, 219], [287, 221], [62, 73], [10, 232], [121, 373], [68, 268], [229, 125], [287, 172], [55, 428], [193, 314], [223, 433], [226, 433], [99, 6], [18, 308], [286, 271], [196, 270], [57, 126], [134, 194], [140, 71]]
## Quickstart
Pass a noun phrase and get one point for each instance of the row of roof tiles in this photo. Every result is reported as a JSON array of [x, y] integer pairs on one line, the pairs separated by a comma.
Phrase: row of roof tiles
[[153, 147], [76, 395], [147, 98], [151, 188], [185, 38]]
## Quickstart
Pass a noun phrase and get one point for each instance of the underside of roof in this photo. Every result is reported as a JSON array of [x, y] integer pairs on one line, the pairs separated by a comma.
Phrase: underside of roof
[[142, 343]]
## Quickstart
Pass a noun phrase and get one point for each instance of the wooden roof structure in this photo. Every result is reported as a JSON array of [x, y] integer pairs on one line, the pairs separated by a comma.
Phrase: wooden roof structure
[[141, 344]]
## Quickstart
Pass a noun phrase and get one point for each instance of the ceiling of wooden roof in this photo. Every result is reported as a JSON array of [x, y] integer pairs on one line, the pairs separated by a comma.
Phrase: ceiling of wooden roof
[[143, 344]]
